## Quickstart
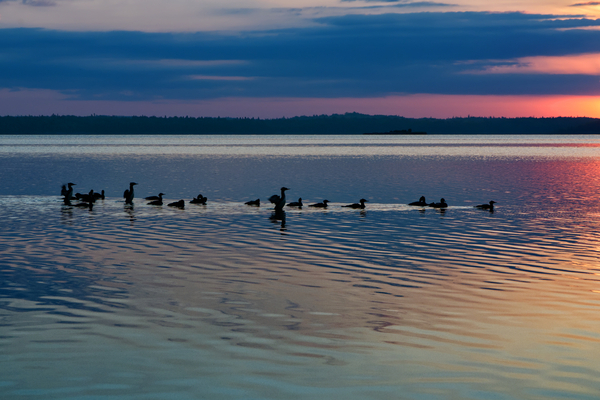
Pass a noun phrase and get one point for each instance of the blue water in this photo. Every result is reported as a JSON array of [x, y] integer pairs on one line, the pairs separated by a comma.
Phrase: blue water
[[226, 301]]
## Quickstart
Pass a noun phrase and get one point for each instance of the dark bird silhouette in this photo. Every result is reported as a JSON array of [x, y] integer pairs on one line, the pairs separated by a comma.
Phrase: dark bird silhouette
[[68, 193], [160, 195], [421, 202], [489, 207], [87, 198], [178, 204], [199, 200], [99, 196], [253, 203], [89, 205], [279, 201], [296, 203], [157, 202], [441, 204], [128, 194], [361, 204], [323, 204]]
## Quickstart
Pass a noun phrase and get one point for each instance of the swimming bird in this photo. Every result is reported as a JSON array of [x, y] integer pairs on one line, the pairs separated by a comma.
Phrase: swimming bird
[[99, 196], [157, 202], [178, 204], [357, 205], [489, 207], [199, 200], [323, 204], [154, 197], [87, 198], [296, 203], [128, 194], [421, 202], [89, 205], [441, 204], [253, 203], [279, 201]]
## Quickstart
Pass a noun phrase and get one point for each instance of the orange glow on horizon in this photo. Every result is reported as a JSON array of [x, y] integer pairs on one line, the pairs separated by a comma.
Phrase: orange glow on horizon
[[47, 102]]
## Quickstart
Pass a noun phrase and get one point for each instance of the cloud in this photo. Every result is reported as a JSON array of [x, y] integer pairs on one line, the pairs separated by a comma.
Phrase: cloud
[[347, 56], [581, 64], [404, 3], [33, 3], [591, 3]]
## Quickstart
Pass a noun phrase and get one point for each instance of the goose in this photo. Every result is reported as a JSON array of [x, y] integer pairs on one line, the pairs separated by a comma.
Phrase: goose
[[128, 194], [441, 204], [157, 202], [323, 204], [489, 207], [279, 201], [178, 204], [199, 200], [296, 203], [253, 203], [357, 205], [421, 202]]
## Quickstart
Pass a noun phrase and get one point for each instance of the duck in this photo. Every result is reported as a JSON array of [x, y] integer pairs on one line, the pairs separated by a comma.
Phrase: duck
[[322, 204], [489, 207], [279, 201], [89, 205], [441, 204], [360, 204], [160, 195], [178, 204], [199, 200], [128, 194], [99, 196], [253, 203], [87, 198], [158, 201], [296, 203], [421, 202]]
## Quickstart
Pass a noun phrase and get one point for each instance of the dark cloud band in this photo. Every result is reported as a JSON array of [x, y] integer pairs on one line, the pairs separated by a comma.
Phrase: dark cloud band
[[349, 56]]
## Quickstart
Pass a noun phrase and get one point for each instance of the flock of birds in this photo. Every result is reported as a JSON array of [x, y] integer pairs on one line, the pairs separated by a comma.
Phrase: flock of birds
[[280, 201]]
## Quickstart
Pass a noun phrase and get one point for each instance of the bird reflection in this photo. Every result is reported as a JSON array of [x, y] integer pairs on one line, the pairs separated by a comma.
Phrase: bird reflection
[[278, 216], [129, 211]]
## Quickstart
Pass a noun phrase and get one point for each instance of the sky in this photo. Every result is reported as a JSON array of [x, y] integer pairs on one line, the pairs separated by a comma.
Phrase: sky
[[272, 58]]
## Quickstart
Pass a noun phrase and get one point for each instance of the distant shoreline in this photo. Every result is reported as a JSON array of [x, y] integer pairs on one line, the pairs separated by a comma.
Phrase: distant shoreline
[[336, 124]]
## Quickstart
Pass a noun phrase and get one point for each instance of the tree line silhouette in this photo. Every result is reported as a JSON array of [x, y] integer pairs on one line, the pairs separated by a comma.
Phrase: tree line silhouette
[[349, 123]]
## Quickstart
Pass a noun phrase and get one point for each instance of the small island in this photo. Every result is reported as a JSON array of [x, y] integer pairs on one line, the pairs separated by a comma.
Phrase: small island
[[397, 132]]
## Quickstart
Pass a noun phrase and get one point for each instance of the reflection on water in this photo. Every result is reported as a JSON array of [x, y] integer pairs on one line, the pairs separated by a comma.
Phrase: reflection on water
[[227, 301]]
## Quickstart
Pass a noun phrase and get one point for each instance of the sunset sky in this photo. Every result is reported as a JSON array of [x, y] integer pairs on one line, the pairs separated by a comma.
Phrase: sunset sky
[[261, 58]]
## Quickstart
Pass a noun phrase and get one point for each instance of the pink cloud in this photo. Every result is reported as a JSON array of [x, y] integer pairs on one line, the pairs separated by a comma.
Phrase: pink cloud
[[582, 64]]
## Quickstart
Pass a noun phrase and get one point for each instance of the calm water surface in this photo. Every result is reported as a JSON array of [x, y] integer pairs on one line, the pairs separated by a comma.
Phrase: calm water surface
[[226, 301]]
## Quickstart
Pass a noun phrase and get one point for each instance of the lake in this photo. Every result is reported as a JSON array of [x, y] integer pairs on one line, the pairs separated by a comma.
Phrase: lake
[[228, 301]]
